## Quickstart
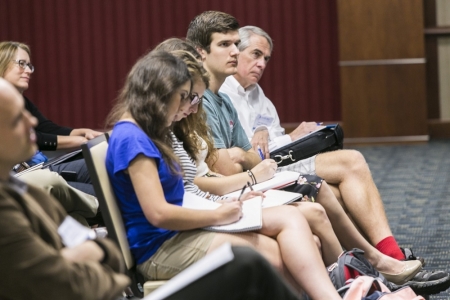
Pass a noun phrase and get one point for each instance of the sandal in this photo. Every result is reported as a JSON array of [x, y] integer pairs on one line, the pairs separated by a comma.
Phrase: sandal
[[427, 282], [409, 255]]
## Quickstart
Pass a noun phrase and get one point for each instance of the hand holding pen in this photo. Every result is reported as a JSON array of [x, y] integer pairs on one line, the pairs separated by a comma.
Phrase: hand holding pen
[[242, 191], [245, 196]]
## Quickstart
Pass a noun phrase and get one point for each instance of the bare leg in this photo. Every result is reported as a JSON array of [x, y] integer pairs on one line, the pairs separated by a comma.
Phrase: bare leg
[[337, 194], [296, 253], [348, 170], [350, 237], [320, 226], [318, 243]]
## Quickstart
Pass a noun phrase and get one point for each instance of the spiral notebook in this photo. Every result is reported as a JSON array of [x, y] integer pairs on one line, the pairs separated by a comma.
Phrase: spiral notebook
[[278, 181], [279, 197], [251, 210]]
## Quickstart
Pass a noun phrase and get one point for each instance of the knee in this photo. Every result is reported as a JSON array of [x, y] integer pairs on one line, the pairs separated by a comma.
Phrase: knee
[[55, 180], [46, 179], [318, 213], [292, 217], [355, 161]]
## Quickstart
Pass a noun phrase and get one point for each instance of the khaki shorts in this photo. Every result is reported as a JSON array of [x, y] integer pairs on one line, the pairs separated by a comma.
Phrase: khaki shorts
[[176, 254]]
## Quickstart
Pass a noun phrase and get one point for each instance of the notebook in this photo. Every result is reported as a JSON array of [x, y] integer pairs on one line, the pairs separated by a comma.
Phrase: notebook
[[251, 209], [279, 197], [53, 161], [60, 159], [278, 181]]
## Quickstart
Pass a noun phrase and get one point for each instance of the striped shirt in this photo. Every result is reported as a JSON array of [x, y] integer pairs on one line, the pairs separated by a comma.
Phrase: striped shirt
[[189, 170]]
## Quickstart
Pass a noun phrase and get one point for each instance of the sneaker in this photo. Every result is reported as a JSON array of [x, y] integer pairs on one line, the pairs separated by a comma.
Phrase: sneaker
[[427, 282], [409, 255]]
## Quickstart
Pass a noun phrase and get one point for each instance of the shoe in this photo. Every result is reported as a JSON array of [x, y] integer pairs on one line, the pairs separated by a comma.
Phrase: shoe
[[412, 267], [427, 282], [409, 255]]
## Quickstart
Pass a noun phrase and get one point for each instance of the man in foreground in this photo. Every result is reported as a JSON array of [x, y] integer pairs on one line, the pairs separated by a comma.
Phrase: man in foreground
[[37, 265]]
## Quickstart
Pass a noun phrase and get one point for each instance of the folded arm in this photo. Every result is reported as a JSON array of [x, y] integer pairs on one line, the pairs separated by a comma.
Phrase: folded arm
[[227, 184], [234, 160]]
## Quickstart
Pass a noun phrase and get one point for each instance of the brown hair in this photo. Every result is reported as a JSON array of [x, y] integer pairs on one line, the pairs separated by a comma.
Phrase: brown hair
[[147, 92], [202, 27], [173, 44], [188, 130], [8, 52]]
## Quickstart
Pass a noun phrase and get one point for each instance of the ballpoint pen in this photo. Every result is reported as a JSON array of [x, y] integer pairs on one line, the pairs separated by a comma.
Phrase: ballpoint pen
[[250, 186], [242, 191], [261, 154]]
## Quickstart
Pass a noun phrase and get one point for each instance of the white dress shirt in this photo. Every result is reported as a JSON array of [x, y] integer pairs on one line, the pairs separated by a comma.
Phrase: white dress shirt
[[256, 112]]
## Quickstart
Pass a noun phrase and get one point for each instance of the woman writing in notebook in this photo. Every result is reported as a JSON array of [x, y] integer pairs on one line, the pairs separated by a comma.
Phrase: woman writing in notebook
[[164, 237], [190, 121]]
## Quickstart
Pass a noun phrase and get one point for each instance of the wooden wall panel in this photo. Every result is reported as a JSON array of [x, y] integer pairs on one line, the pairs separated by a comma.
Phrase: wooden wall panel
[[429, 7], [380, 100], [382, 29], [383, 85], [83, 49]]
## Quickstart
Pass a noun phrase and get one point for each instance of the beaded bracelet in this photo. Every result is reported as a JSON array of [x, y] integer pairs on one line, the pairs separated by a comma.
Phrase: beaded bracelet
[[252, 176]]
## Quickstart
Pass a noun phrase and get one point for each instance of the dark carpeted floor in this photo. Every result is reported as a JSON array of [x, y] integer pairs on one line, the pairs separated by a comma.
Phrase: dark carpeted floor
[[414, 183]]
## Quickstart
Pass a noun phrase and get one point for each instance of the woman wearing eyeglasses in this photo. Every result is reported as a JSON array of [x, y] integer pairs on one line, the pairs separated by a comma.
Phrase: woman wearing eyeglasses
[[16, 67]]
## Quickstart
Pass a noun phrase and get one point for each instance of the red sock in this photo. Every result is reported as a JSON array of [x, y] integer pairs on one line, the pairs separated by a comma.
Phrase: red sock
[[390, 247]]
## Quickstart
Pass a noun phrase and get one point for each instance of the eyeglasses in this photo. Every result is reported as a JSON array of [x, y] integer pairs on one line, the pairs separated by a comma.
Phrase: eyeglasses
[[23, 64], [195, 99]]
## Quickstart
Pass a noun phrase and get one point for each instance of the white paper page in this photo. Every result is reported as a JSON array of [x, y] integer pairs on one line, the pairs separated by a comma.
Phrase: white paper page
[[251, 210], [278, 180], [193, 201], [207, 264], [251, 218], [320, 127], [73, 233], [279, 197]]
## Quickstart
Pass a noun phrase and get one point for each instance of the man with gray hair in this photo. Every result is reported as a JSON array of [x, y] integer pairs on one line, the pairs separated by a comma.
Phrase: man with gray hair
[[346, 171]]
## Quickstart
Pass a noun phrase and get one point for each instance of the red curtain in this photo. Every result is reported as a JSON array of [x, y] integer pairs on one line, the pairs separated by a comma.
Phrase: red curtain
[[83, 49]]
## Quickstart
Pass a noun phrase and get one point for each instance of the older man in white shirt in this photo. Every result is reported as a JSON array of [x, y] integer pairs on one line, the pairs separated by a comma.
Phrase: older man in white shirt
[[256, 113], [346, 171]]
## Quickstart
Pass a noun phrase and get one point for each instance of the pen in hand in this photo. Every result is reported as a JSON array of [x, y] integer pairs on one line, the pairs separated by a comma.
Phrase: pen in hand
[[250, 186], [261, 154], [242, 191]]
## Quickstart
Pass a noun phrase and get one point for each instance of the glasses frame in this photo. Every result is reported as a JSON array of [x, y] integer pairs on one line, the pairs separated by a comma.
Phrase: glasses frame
[[195, 99], [23, 64]]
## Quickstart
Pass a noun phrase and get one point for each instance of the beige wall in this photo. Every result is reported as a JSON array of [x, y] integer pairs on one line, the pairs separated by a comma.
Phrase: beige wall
[[443, 19]]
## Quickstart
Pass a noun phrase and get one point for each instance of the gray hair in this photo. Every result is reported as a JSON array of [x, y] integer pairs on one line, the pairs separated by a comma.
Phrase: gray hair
[[246, 32]]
